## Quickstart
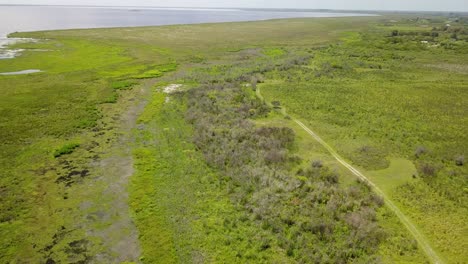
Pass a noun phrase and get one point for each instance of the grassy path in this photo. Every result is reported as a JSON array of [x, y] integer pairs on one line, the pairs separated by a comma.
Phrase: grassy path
[[120, 236], [420, 238]]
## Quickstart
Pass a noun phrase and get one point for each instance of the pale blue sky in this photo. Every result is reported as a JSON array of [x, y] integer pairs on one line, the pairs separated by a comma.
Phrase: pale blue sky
[[429, 5]]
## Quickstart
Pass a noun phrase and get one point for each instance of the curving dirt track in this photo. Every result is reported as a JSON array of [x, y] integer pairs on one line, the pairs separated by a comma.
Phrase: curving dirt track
[[422, 241]]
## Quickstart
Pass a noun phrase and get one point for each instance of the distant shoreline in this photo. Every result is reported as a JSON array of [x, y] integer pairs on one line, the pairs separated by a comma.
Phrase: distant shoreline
[[92, 17], [125, 16], [319, 10]]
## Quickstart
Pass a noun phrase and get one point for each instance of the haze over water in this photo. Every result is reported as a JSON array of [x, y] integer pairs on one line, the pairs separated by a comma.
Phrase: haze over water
[[35, 18]]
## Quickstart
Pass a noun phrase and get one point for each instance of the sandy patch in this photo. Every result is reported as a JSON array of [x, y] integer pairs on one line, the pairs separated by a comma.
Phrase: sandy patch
[[458, 68], [20, 72], [172, 88]]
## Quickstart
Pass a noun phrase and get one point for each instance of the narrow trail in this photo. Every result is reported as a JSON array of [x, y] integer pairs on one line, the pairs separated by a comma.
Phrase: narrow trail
[[420, 238], [422, 241]]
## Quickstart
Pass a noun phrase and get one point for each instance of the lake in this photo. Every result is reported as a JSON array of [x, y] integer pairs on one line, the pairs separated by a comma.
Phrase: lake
[[35, 18]]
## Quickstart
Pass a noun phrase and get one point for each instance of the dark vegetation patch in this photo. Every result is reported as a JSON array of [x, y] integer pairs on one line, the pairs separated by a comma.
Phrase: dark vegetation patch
[[72, 177], [460, 160], [370, 157], [76, 251]]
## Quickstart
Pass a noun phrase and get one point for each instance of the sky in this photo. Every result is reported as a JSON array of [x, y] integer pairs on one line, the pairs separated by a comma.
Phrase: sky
[[417, 5]]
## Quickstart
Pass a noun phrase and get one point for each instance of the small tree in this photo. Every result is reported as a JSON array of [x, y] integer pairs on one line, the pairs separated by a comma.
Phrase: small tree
[[419, 151], [274, 156], [317, 164], [428, 170], [276, 104], [253, 83]]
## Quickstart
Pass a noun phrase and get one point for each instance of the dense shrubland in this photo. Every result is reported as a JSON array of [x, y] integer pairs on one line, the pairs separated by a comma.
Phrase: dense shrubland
[[313, 218]]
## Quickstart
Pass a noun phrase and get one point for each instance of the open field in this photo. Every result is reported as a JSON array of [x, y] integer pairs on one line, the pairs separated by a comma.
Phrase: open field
[[97, 158]]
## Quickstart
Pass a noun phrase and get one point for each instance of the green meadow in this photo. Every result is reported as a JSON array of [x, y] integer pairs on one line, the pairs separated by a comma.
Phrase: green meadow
[[104, 160]]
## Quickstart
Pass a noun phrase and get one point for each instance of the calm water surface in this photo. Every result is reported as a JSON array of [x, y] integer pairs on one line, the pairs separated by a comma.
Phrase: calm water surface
[[35, 18]]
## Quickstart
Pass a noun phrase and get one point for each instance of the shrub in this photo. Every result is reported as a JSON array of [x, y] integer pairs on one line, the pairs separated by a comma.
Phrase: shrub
[[112, 99], [378, 200], [274, 156], [419, 151], [369, 157], [331, 178], [460, 160], [260, 78], [317, 164], [364, 149], [427, 169], [276, 104]]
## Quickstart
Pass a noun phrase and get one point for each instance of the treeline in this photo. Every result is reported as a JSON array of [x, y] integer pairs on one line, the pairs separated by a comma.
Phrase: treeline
[[307, 212], [246, 66]]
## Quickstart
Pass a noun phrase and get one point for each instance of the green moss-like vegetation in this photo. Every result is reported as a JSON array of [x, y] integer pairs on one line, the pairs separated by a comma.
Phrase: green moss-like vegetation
[[65, 149], [148, 74], [123, 85], [157, 72], [274, 52], [153, 108]]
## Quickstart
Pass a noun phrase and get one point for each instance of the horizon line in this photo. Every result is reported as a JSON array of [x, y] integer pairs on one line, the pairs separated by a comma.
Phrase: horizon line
[[252, 8]]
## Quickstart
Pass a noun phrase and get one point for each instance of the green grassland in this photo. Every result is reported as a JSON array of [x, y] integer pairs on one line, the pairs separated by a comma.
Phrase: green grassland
[[217, 175], [378, 97]]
